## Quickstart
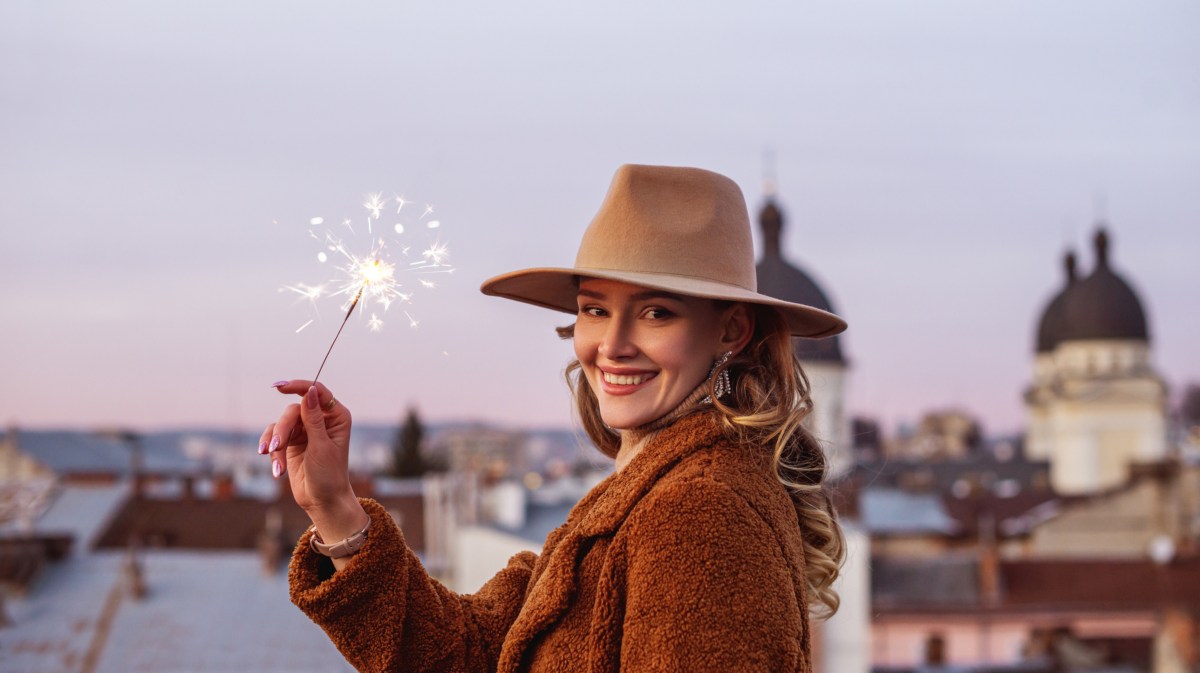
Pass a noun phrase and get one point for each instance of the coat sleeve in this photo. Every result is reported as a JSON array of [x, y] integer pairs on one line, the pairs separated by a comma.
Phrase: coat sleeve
[[708, 587], [385, 613]]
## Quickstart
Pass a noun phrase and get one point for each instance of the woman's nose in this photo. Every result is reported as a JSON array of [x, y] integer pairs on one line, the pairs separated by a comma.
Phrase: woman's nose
[[617, 342]]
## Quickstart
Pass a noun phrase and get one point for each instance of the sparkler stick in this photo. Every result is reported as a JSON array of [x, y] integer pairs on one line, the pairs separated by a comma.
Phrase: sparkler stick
[[339, 332]]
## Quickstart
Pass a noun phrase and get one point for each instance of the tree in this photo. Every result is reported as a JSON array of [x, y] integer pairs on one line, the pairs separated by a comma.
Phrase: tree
[[407, 460]]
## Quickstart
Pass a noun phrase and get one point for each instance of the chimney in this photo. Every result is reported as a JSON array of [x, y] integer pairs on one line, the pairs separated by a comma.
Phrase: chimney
[[989, 561], [270, 541], [223, 487], [188, 483], [131, 570], [136, 463]]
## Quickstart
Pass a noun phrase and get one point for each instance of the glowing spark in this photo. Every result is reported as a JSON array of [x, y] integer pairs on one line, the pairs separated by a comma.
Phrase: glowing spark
[[436, 253], [427, 283], [375, 323], [412, 322], [399, 228], [374, 203], [322, 257], [428, 210], [399, 203], [303, 326], [434, 224], [316, 220], [310, 292]]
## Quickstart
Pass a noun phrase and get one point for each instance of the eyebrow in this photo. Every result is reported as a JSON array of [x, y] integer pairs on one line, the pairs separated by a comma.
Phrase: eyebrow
[[640, 296]]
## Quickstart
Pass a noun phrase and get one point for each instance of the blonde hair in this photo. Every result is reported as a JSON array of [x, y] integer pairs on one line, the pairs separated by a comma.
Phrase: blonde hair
[[768, 406]]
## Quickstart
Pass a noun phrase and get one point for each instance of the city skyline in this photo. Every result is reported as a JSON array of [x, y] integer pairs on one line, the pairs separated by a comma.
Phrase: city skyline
[[934, 162]]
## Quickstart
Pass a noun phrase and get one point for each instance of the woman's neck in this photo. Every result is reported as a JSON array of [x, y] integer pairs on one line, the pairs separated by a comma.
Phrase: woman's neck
[[634, 439]]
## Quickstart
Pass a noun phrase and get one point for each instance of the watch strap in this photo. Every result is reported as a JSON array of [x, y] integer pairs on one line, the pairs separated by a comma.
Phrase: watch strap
[[342, 548]]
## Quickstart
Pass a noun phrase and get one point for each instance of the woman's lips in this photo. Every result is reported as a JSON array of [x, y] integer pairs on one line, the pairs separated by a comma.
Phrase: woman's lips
[[624, 383]]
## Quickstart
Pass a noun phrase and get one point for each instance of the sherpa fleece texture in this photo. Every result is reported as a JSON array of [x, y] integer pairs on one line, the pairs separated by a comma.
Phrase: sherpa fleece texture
[[688, 559]]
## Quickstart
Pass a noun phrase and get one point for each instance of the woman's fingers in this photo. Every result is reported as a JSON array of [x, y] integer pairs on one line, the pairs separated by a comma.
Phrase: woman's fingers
[[287, 431], [300, 387], [264, 439]]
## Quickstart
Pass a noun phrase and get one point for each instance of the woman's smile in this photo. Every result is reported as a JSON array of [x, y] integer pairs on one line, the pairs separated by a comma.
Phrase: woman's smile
[[643, 351], [624, 382]]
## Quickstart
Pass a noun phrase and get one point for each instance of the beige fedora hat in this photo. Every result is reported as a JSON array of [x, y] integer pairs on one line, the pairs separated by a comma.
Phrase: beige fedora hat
[[681, 230]]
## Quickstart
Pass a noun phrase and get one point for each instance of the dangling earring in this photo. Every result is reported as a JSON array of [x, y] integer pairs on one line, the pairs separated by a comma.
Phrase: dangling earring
[[722, 386]]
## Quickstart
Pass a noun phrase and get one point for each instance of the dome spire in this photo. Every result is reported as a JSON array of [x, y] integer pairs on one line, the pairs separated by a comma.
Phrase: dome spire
[[1070, 265], [770, 219], [1101, 242]]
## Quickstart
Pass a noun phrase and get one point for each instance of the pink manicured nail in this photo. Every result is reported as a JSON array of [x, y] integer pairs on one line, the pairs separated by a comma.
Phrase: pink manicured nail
[[274, 443], [280, 383], [262, 448], [276, 467], [310, 398]]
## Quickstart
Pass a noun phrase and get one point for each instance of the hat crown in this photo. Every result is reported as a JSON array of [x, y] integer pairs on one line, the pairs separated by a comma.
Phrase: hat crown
[[685, 222]]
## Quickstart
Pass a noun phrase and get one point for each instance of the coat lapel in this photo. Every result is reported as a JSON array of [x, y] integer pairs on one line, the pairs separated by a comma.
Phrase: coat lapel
[[599, 513]]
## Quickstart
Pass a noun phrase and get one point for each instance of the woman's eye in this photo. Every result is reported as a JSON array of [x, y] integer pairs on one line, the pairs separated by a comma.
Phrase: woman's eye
[[594, 311], [658, 313]]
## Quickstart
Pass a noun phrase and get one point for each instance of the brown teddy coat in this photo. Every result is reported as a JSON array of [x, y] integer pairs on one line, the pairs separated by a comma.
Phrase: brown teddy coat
[[688, 559]]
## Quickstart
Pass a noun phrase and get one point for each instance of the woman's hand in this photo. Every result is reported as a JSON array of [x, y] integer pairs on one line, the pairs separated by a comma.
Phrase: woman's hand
[[311, 440]]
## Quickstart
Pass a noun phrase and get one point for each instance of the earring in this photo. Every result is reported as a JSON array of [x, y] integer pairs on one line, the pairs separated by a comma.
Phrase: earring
[[722, 386]]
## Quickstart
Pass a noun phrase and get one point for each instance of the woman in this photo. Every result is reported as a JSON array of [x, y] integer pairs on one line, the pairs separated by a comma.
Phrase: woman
[[708, 546]]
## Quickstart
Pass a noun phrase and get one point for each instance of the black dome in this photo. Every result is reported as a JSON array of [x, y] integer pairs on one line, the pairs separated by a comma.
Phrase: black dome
[[777, 278], [1054, 317], [1103, 305]]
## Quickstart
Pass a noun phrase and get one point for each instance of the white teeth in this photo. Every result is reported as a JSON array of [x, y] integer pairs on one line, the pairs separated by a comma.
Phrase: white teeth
[[624, 379]]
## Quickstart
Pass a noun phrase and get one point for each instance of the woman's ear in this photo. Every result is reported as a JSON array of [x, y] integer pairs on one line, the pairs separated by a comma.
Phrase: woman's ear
[[737, 326]]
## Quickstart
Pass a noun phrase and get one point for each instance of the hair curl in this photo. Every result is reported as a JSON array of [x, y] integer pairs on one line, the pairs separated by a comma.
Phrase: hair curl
[[768, 406]]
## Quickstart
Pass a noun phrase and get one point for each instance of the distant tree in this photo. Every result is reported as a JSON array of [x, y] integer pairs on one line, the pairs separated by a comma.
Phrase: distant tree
[[407, 460]]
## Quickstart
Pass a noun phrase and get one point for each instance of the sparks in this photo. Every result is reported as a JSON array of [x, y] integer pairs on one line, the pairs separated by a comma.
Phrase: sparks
[[369, 279], [374, 204], [436, 253]]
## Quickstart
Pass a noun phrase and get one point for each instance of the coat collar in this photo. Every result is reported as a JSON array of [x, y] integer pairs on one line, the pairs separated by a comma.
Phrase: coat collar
[[603, 509]]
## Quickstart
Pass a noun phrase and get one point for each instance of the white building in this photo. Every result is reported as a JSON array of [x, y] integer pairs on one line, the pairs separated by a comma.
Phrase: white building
[[1096, 405]]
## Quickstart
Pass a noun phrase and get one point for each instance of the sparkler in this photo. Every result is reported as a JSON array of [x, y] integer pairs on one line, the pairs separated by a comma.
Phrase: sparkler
[[371, 278]]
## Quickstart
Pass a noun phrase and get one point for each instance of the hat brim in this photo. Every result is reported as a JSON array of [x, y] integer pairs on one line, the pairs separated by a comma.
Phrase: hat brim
[[556, 288]]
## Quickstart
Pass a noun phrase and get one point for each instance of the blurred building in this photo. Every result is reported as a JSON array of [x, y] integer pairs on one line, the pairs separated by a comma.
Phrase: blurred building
[[1096, 405], [1075, 548], [823, 360]]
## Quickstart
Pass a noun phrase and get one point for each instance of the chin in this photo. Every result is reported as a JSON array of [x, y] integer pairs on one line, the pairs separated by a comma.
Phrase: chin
[[620, 419]]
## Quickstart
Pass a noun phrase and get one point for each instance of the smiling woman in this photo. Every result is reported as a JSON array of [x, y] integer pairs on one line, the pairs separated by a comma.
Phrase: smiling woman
[[710, 545]]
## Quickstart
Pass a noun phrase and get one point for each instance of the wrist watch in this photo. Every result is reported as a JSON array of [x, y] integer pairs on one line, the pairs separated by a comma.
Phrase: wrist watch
[[341, 549]]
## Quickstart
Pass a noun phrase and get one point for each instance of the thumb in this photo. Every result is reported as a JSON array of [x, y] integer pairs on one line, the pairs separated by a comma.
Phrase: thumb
[[313, 417]]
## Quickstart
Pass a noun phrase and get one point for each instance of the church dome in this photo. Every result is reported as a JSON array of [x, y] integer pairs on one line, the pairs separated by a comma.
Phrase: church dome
[[1054, 318], [1103, 305], [777, 278]]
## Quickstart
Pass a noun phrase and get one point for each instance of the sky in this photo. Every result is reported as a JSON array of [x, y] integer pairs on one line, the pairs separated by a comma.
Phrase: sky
[[160, 164]]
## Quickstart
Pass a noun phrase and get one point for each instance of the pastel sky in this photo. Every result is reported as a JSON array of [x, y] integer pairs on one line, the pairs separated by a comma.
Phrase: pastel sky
[[160, 163]]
